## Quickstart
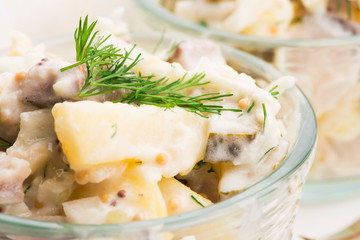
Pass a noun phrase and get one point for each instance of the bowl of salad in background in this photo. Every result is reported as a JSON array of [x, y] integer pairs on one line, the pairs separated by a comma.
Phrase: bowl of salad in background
[[315, 41], [67, 182]]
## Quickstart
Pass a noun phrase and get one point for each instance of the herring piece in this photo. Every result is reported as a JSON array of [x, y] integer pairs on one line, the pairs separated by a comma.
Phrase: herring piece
[[36, 142], [44, 84], [189, 53], [11, 106], [96, 134], [226, 148], [13, 172], [203, 179]]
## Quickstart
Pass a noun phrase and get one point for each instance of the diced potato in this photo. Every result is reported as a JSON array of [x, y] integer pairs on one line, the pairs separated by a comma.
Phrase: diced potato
[[86, 210], [180, 198], [129, 196], [93, 134]]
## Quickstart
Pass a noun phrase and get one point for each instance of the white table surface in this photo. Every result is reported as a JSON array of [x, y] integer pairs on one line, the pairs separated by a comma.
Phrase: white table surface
[[59, 17]]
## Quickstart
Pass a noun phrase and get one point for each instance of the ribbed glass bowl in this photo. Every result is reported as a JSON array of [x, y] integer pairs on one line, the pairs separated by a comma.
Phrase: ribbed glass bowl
[[327, 70], [264, 211]]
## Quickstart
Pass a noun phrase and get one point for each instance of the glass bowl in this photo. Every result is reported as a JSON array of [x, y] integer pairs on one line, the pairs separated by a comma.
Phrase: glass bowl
[[265, 210], [327, 70]]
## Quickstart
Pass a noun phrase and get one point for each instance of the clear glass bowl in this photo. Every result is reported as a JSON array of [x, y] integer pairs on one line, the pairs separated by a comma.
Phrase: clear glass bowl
[[327, 70], [264, 211]]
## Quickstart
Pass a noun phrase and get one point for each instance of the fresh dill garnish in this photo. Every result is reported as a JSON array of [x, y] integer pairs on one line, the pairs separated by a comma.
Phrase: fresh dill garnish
[[82, 38], [107, 71], [45, 170], [274, 93], [338, 5], [297, 20], [173, 47], [349, 6], [266, 153], [67, 167], [348, 9], [114, 126], [251, 106], [199, 165], [265, 115], [157, 45], [27, 189], [197, 201], [203, 23], [4, 142]]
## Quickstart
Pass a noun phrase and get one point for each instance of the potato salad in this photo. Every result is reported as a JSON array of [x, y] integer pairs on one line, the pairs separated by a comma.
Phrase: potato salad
[[122, 134], [270, 18]]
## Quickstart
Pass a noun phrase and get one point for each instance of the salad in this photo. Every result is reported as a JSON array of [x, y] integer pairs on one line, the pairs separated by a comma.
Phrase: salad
[[327, 71], [126, 134], [274, 18]]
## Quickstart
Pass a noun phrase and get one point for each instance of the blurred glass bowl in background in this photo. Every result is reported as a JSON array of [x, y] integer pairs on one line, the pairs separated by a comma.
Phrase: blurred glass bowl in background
[[327, 70]]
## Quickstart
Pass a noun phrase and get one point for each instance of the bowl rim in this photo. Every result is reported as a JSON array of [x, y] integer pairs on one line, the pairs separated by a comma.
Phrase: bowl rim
[[241, 40], [302, 149]]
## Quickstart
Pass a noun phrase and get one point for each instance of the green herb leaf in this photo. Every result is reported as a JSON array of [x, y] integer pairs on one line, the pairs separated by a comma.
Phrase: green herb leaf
[[173, 47], [265, 115], [203, 23], [160, 41], [274, 93], [27, 189], [45, 170], [199, 165], [266, 153], [211, 169], [197, 201], [4, 142], [251, 106], [338, 5], [107, 71], [84, 37], [115, 128], [348, 9]]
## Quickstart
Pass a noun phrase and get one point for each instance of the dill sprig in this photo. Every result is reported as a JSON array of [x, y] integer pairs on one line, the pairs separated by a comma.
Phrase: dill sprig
[[4, 142], [27, 189], [265, 116], [263, 156], [251, 107], [349, 5], [109, 69], [197, 201], [273, 92]]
